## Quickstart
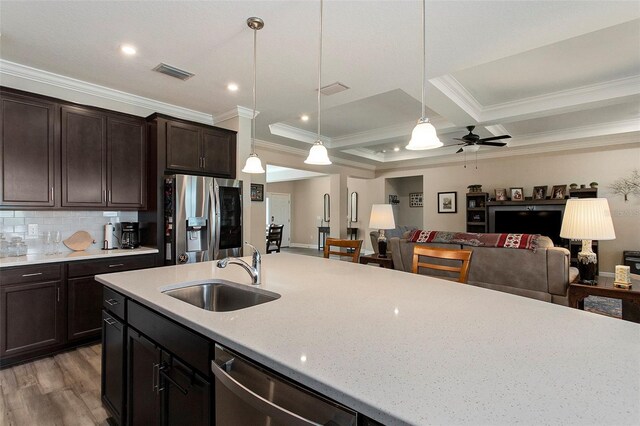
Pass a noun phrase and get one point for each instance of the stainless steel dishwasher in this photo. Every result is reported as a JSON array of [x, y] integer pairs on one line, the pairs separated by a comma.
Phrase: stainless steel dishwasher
[[247, 394]]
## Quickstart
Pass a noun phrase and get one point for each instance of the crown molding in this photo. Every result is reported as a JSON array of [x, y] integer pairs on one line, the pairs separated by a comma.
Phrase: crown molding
[[455, 91], [27, 73], [295, 133], [238, 111], [497, 130], [583, 132]]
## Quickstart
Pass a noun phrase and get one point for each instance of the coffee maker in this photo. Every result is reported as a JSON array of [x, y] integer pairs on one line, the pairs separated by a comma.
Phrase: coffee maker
[[129, 237]]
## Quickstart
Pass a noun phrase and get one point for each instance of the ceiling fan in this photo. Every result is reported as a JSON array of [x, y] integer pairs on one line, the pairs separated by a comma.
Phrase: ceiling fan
[[474, 140]]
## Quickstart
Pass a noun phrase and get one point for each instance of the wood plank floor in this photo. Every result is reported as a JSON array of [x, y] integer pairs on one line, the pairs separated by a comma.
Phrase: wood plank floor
[[59, 390]]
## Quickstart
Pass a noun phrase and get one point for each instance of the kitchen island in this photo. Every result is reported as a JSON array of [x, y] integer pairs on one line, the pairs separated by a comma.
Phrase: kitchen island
[[410, 349]]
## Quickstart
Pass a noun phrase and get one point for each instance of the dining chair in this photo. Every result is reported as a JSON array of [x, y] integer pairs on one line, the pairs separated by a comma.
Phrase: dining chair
[[464, 256], [274, 238], [354, 245]]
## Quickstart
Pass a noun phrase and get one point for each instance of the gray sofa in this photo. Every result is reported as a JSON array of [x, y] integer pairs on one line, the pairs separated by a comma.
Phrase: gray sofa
[[399, 231], [544, 274]]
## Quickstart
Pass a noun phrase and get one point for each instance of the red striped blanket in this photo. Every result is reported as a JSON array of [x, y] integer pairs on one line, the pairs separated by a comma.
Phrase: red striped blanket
[[514, 241]]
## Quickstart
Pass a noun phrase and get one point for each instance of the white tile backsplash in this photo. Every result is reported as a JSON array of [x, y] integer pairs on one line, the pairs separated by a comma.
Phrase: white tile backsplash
[[13, 223]]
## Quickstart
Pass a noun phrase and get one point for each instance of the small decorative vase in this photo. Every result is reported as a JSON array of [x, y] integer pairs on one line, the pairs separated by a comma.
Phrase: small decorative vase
[[573, 186], [593, 185]]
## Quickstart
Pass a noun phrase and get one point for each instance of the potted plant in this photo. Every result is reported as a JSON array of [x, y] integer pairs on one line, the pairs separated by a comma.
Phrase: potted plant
[[573, 185], [593, 184]]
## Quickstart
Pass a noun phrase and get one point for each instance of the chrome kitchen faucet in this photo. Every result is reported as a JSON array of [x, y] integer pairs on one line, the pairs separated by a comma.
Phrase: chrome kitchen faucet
[[253, 269]]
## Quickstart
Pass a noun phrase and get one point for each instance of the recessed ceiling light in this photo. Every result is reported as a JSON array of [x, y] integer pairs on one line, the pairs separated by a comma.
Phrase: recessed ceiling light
[[384, 151], [127, 49], [304, 117], [396, 149], [232, 87]]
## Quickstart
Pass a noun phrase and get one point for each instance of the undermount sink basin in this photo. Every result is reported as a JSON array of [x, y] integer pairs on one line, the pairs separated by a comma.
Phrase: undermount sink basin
[[222, 296]]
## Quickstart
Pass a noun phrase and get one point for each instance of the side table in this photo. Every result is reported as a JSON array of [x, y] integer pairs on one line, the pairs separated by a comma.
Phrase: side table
[[323, 231], [631, 298], [384, 262]]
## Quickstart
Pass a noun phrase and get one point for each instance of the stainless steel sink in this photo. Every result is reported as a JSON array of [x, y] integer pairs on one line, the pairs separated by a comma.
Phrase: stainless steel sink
[[222, 296]]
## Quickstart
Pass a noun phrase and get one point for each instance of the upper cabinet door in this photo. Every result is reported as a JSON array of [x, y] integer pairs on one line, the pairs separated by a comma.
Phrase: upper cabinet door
[[183, 147], [84, 165], [219, 153], [127, 172], [27, 151]]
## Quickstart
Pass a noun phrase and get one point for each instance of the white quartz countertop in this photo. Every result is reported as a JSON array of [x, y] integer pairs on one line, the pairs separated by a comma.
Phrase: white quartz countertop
[[410, 349], [70, 256]]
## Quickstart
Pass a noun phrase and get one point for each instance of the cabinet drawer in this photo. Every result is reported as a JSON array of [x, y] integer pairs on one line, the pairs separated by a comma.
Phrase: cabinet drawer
[[31, 274], [116, 264], [176, 339], [113, 302]]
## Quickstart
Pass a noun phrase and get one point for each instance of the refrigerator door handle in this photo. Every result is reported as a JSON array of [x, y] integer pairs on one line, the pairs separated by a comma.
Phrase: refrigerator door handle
[[216, 193]]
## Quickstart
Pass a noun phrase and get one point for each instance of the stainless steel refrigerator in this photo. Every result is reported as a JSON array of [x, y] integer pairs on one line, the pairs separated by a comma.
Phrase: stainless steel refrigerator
[[203, 218]]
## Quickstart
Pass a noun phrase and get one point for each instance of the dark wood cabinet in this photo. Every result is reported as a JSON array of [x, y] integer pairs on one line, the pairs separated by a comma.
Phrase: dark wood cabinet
[[84, 157], [126, 163], [186, 397], [84, 305], [28, 160], [113, 365], [183, 147], [31, 310], [195, 148], [143, 402]]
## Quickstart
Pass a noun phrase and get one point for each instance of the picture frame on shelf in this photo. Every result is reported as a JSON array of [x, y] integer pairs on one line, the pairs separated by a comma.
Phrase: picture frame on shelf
[[448, 202], [415, 199], [517, 193], [393, 199], [558, 192], [257, 192], [539, 192], [501, 194]]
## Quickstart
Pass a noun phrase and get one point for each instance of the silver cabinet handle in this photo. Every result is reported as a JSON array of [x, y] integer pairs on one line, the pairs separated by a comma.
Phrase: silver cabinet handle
[[52, 193], [104, 195], [255, 400], [109, 195], [153, 377], [111, 302], [58, 293], [204, 162], [115, 265], [32, 275], [109, 321]]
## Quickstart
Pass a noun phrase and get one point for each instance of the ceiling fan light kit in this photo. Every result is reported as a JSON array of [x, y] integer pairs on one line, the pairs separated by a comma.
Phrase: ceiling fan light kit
[[318, 153], [424, 134], [253, 164]]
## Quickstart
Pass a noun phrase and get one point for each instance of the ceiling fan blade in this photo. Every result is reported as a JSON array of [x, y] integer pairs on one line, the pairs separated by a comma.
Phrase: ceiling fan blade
[[459, 151], [459, 139], [495, 138], [491, 143]]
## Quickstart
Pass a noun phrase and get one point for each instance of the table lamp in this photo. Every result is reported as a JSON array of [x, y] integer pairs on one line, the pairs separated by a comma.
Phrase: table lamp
[[587, 219], [381, 219]]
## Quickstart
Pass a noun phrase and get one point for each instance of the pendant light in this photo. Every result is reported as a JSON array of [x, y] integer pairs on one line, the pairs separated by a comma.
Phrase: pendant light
[[318, 152], [253, 164], [424, 134]]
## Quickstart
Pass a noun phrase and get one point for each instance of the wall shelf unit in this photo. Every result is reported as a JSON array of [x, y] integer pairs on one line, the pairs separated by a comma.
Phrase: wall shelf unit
[[476, 211]]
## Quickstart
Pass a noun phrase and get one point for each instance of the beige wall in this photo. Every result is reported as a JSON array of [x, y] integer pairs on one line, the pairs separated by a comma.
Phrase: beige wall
[[582, 167], [402, 187]]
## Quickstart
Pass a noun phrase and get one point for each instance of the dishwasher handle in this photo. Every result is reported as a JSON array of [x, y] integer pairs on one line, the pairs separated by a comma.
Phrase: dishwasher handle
[[255, 400]]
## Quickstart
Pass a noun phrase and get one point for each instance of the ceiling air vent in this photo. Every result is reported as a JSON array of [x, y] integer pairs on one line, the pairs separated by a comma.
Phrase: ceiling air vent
[[333, 88], [173, 71]]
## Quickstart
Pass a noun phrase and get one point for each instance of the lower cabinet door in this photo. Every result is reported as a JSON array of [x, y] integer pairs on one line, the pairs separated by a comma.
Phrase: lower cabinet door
[[31, 317], [113, 371], [84, 303], [186, 395], [143, 406]]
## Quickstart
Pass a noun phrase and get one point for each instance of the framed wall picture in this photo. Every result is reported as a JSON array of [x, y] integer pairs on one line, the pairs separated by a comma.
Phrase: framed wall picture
[[540, 192], [257, 192], [517, 194], [558, 192], [415, 199], [501, 194], [447, 202]]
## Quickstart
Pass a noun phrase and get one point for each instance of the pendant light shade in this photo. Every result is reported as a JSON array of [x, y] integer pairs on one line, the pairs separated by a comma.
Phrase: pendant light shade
[[253, 164], [424, 134], [318, 153]]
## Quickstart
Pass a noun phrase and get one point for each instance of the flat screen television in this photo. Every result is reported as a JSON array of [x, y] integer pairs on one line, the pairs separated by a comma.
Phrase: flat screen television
[[523, 220]]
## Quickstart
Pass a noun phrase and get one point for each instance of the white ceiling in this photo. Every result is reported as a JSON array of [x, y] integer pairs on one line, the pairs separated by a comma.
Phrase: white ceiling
[[553, 68]]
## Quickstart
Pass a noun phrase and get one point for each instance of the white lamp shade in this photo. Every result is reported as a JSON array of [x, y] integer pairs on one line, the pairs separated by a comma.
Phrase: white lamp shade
[[470, 148], [253, 165], [587, 219], [424, 137], [318, 155], [382, 217]]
